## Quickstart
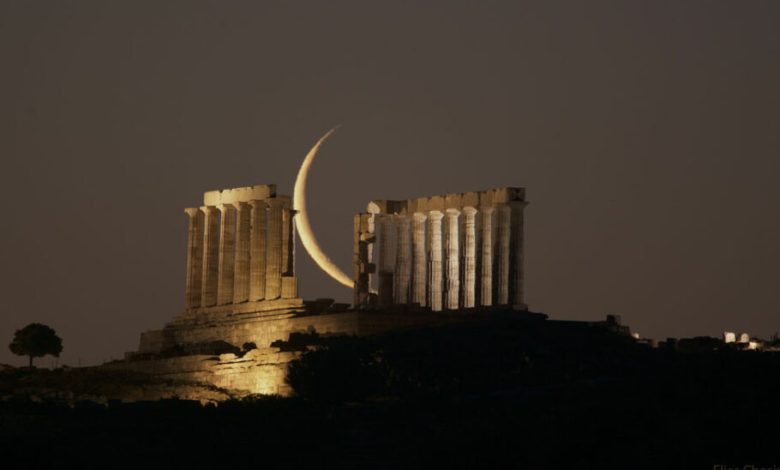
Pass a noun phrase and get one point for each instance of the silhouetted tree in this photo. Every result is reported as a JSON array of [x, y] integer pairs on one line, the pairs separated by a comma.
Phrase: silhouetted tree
[[36, 340]]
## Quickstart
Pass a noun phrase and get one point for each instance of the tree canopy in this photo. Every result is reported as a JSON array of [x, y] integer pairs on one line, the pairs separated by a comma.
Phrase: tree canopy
[[36, 340]]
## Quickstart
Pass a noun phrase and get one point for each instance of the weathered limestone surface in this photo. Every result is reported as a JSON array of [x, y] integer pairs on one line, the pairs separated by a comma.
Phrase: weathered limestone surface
[[227, 251], [482, 260], [273, 271], [243, 233], [386, 261], [257, 254], [194, 257], [420, 277], [452, 260], [237, 253], [243, 194], [486, 260], [469, 256], [362, 258], [210, 263], [518, 253], [503, 253], [435, 261], [403, 263]]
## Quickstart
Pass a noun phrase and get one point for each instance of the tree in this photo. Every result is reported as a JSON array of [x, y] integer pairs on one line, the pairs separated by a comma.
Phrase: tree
[[36, 340]]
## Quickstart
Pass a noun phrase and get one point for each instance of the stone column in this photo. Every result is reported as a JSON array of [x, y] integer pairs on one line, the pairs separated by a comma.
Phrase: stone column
[[273, 263], [288, 242], [362, 258], [210, 256], [452, 261], [243, 234], [486, 257], [469, 256], [194, 257], [518, 290], [227, 253], [403, 261], [420, 278], [257, 250], [503, 222], [289, 281], [435, 261], [386, 261]]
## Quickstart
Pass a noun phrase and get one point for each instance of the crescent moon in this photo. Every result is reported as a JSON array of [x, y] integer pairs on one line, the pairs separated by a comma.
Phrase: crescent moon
[[302, 225]]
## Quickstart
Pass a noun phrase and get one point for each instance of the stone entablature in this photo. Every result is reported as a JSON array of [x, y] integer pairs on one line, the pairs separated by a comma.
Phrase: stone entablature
[[240, 250], [461, 250]]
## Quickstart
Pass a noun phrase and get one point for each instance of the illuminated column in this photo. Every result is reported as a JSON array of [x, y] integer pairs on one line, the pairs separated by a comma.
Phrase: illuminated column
[[288, 241], [243, 233], [518, 292], [503, 222], [486, 258], [362, 258], [386, 261], [210, 256], [403, 261], [257, 249], [194, 257], [273, 264], [452, 260], [435, 261], [289, 282], [469, 256], [227, 252], [420, 279]]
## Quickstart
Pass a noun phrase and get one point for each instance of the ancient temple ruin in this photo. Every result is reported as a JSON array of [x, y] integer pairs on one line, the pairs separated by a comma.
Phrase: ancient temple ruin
[[240, 248], [449, 252], [457, 252]]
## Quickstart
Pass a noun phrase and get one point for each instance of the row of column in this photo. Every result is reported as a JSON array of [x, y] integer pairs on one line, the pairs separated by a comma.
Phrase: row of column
[[445, 260], [240, 252]]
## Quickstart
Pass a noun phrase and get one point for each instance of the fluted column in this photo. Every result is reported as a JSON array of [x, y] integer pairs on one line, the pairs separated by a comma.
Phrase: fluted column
[[243, 234], [386, 262], [435, 261], [289, 281], [194, 257], [362, 258], [452, 261], [210, 267], [227, 252], [257, 250], [288, 241], [273, 265], [420, 278], [469, 256], [503, 222], [486, 257], [518, 290], [403, 261]]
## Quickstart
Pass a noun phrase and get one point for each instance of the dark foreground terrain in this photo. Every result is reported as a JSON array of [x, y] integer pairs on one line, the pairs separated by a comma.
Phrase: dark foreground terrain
[[502, 395]]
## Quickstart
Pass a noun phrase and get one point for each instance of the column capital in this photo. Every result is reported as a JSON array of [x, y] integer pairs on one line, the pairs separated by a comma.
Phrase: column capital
[[469, 210], [226, 207], [452, 212], [419, 217], [435, 215], [487, 209], [192, 211]]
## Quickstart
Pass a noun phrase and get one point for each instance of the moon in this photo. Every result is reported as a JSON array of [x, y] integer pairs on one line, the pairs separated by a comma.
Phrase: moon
[[302, 224]]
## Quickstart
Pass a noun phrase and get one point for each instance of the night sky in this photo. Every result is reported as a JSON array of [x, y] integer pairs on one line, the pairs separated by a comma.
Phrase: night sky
[[646, 133]]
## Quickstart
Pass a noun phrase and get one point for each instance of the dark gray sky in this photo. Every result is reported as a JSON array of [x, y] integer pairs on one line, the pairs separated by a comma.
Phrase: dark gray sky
[[646, 133]]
